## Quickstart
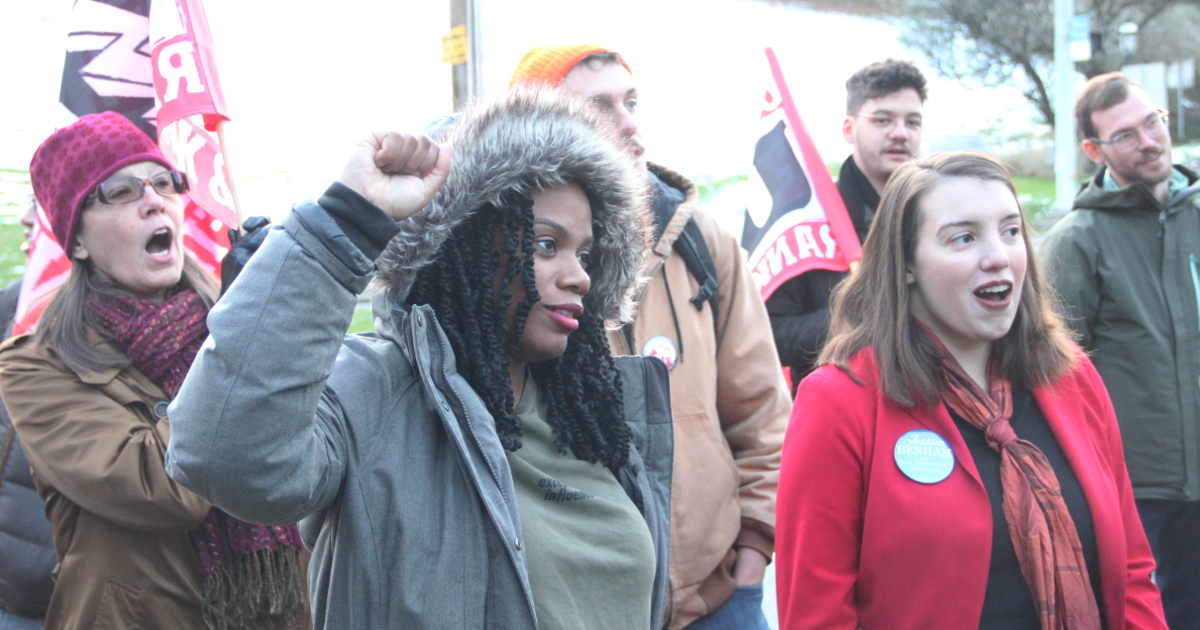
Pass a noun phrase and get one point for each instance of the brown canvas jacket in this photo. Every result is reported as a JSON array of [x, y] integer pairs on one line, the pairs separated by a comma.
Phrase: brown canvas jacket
[[121, 526], [730, 408]]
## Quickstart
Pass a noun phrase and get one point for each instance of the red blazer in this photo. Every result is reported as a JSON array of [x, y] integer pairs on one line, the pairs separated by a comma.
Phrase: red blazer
[[859, 544]]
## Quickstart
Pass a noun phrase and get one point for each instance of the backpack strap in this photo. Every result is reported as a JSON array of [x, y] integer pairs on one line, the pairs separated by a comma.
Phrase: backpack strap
[[692, 246]]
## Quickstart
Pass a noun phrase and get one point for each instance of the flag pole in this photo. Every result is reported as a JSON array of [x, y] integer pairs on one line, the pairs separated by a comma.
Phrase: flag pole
[[233, 196]]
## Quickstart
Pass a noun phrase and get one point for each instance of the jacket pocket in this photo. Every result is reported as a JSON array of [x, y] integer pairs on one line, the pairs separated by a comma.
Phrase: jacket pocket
[[119, 608], [703, 455]]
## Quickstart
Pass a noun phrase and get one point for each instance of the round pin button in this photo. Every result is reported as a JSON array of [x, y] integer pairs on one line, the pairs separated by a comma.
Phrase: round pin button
[[663, 349], [924, 456]]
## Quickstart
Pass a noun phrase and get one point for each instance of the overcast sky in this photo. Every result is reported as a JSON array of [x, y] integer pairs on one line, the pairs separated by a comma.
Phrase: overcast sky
[[304, 80]]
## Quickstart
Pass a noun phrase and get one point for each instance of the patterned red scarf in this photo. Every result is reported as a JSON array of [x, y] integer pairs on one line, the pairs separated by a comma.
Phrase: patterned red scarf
[[253, 575], [1041, 528]]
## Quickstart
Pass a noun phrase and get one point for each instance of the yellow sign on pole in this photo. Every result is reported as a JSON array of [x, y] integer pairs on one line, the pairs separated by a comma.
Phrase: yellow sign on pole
[[454, 46]]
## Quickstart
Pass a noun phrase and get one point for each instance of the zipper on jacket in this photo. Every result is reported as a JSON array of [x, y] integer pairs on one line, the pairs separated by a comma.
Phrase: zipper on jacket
[[466, 415], [1196, 285], [1162, 221], [445, 346]]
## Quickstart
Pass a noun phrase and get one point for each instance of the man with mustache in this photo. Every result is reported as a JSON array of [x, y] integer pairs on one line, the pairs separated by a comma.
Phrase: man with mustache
[[884, 103], [702, 315], [1126, 262]]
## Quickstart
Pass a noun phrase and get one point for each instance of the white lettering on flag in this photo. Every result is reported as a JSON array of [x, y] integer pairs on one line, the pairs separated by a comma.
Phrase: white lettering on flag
[[173, 72], [807, 243], [179, 140], [217, 185]]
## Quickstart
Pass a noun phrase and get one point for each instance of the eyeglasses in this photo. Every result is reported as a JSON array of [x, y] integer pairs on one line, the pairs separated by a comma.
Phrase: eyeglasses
[[886, 124], [119, 190], [1155, 128]]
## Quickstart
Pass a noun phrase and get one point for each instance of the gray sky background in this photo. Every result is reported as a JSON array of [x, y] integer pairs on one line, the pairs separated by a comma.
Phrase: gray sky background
[[304, 80]]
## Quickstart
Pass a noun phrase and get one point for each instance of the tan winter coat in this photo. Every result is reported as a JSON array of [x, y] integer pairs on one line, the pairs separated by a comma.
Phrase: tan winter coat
[[730, 406], [121, 526]]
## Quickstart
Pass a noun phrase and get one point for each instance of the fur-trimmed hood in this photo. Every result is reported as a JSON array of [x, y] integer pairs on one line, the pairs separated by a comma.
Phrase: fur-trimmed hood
[[523, 140]]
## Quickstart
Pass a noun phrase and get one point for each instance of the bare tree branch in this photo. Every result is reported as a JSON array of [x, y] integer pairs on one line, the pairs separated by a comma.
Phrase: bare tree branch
[[995, 42]]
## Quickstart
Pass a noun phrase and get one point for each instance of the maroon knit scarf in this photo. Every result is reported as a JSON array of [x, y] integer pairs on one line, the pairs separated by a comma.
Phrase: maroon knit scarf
[[1042, 531], [253, 574]]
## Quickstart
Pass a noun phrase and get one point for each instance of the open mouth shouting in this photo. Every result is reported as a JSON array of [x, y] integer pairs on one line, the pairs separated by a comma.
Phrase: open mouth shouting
[[996, 295], [160, 244]]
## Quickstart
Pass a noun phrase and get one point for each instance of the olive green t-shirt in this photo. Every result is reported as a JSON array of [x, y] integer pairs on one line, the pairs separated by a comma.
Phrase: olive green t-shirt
[[590, 557]]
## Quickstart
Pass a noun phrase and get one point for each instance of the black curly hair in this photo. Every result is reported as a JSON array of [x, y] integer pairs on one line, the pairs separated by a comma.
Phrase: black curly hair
[[582, 387], [880, 79]]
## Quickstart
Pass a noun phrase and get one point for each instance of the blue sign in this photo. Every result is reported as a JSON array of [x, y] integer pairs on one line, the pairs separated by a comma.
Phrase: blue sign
[[924, 456]]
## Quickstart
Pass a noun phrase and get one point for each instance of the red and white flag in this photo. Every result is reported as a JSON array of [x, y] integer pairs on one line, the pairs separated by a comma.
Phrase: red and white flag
[[190, 106], [151, 61], [795, 218], [46, 269]]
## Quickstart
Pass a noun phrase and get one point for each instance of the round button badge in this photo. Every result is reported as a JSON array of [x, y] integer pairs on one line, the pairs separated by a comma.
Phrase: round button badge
[[924, 456], [662, 348]]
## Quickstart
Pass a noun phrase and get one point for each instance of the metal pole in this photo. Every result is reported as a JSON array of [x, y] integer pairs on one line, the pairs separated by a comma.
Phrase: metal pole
[[468, 77], [1064, 104], [1179, 102], [475, 46]]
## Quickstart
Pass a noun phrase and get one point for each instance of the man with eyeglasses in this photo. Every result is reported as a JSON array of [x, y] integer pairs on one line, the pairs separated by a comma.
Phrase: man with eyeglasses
[[884, 103], [1126, 262]]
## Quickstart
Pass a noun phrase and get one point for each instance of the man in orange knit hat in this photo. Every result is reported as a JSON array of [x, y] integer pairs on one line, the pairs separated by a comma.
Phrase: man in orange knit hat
[[702, 315]]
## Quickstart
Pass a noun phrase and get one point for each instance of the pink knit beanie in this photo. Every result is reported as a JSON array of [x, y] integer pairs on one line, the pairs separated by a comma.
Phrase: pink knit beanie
[[74, 160]]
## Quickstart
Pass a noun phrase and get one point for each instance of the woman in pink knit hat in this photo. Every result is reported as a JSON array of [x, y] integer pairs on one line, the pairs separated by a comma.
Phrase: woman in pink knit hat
[[88, 395]]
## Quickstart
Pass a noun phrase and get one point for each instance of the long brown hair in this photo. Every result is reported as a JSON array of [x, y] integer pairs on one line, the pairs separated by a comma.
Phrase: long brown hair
[[871, 309], [63, 325]]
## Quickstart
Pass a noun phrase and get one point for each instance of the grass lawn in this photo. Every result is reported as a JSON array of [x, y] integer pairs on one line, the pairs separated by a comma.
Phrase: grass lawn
[[12, 261], [362, 321], [1036, 195]]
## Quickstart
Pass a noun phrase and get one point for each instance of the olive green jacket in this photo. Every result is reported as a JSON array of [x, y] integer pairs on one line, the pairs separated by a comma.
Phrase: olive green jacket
[[1128, 269]]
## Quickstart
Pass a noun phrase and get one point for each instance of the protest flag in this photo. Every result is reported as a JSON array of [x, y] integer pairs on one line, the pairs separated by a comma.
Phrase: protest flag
[[191, 109], [151, 61], [795, 219], [46, 268]]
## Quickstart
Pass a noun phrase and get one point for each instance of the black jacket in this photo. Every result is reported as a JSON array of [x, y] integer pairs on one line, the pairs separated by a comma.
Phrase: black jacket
[[26, 544], [799, 308]]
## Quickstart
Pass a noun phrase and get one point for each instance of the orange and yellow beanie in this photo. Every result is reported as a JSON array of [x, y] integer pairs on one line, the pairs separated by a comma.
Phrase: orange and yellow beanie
[[547, 65]]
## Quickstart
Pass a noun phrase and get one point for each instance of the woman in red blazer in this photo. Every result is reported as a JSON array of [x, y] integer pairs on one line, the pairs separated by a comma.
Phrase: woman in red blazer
[[951, 405]]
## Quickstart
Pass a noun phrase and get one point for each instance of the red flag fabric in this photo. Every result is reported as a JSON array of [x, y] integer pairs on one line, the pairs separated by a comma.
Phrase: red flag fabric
[[169, 89], [795, 218], [185, 75], [45, 269], [190, 102]]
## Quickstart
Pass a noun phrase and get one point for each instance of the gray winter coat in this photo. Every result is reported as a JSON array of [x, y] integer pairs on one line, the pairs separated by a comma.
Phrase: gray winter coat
[[1128, 269], [375, 441]]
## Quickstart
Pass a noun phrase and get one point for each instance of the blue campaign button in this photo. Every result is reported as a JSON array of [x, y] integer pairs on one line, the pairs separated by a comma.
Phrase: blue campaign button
[[924, 456]]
